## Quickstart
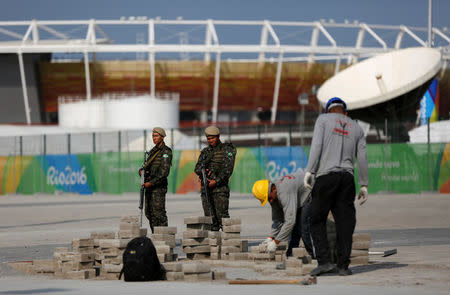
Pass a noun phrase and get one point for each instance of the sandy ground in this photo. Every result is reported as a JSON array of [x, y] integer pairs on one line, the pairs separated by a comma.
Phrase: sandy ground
[[418, 225]]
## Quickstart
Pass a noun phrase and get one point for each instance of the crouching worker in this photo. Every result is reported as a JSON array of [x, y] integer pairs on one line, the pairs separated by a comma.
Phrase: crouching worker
[[289, 200]]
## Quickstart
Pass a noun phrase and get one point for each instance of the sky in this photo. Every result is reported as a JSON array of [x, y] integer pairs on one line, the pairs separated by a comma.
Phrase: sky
[[391, 12]]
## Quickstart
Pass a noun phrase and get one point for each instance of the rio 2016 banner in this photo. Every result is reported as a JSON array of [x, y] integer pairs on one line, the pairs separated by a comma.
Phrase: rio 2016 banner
[[399, 168]]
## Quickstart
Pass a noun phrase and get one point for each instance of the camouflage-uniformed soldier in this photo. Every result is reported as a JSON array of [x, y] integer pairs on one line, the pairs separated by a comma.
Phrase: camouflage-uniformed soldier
[[157, 168], [218, 160]]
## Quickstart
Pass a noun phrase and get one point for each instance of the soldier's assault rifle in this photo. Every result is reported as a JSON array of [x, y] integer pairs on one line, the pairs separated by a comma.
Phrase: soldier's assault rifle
[[142, 193], [209, 200]]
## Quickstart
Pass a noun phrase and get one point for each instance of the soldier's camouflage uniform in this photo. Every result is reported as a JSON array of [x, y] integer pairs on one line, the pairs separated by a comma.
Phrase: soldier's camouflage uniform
[[219, 164], [156, 173]]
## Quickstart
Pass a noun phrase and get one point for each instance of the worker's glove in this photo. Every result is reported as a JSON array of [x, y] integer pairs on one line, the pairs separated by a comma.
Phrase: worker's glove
[[271, 246], [307, 181], [266, 241], [363, 194]]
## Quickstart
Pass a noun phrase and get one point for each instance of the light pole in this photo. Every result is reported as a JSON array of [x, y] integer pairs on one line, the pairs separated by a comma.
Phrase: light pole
[[302, 101]]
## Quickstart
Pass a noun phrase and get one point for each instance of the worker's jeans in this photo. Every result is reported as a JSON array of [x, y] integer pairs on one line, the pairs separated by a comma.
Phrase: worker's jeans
[[336, 192], [301, 230]]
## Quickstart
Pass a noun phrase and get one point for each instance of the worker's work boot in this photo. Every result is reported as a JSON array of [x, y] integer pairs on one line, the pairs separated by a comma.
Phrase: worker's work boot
[[344, 271], [323, 268]]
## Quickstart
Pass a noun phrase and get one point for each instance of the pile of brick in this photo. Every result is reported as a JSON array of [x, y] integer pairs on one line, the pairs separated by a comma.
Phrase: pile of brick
[[163, 238], [232, 246], [174, 271], [75, 264], [300, 263], [360, 249], [195, 239], [259, 253], [194, 272]]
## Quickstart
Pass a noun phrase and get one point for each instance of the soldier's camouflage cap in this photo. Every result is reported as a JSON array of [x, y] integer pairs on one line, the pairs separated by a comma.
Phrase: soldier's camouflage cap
[[160, 131], [212, 131]]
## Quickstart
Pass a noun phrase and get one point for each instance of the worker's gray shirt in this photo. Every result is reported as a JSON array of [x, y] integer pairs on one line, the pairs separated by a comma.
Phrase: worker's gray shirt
[[291, 196], [337, 141]]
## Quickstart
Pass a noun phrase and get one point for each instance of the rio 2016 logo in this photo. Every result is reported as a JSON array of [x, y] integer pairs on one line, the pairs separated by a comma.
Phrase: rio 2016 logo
[[274, 172], [66, 177]]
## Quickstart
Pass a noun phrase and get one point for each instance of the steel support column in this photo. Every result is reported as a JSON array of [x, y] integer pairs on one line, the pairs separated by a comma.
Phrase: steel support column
[[24, 88], [277, 88], [87, 75], [216, 88]]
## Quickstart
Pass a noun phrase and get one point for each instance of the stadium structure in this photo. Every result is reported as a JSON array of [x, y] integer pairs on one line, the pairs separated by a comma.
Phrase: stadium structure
[[220, 71]]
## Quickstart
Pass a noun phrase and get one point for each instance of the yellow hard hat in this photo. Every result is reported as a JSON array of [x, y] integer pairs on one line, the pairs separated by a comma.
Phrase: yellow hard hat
[[260, 191]]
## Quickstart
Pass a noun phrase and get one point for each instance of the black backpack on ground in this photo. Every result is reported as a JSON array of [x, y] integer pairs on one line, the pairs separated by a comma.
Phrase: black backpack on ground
[[140, 262]]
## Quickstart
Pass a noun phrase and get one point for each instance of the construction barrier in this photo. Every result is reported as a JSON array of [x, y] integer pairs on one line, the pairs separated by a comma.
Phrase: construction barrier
[[398, 168]]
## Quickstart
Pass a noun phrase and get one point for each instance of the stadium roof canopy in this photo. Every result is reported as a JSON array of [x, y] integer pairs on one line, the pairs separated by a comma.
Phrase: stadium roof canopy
[[273, 41]]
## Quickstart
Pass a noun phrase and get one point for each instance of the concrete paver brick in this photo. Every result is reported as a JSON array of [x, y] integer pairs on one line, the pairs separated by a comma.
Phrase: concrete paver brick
[[299, 252], [198, 219], [196, 277], [196, 268], [112, 267], [230, 221], [163, 249], [103, 235], [175, 276], [173, 266], [230, 249], [44, 266], [191, 234], [218, 275], [232, 242], [169, 230], [226, 236], [130, 219], [197, 249], [232, 228], [359, 260], [294, 262], [195, 242], [361, 245], [77, 243]]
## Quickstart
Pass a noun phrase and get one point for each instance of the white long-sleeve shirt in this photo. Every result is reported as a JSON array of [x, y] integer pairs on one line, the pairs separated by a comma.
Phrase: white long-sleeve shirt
[[337, 141], [291, 196]]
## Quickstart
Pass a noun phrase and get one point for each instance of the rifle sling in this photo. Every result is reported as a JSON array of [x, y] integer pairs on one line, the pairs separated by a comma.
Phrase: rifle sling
[[151, 159]]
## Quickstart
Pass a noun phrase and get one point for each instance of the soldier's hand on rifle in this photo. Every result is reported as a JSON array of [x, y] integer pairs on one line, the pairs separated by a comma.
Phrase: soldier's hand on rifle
[[211, 183], [147, 184]]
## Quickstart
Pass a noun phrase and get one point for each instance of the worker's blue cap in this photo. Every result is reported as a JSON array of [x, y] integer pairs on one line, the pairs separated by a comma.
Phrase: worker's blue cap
[[335, 101]]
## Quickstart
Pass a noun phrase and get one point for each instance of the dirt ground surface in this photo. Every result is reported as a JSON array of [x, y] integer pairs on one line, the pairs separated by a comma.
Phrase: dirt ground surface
[[418, 225]]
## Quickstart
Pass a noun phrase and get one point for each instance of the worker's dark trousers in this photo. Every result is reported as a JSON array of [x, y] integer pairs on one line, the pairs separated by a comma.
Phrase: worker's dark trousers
[[336, 192], [301, 230]]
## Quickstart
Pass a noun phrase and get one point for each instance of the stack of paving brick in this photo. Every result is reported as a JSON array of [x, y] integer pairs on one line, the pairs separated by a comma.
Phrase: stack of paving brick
[[215, 242], [174, 271], [360, 249], [46, 266], [111, 254], [129, 228], [194, 272], [300, 263], [97, 236], [259, 253], [164, 240], [77, 264], [195, 239], [233, 247]]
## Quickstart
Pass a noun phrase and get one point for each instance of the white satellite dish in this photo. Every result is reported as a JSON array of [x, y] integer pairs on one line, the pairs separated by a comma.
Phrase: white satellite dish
[[382, 78]]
